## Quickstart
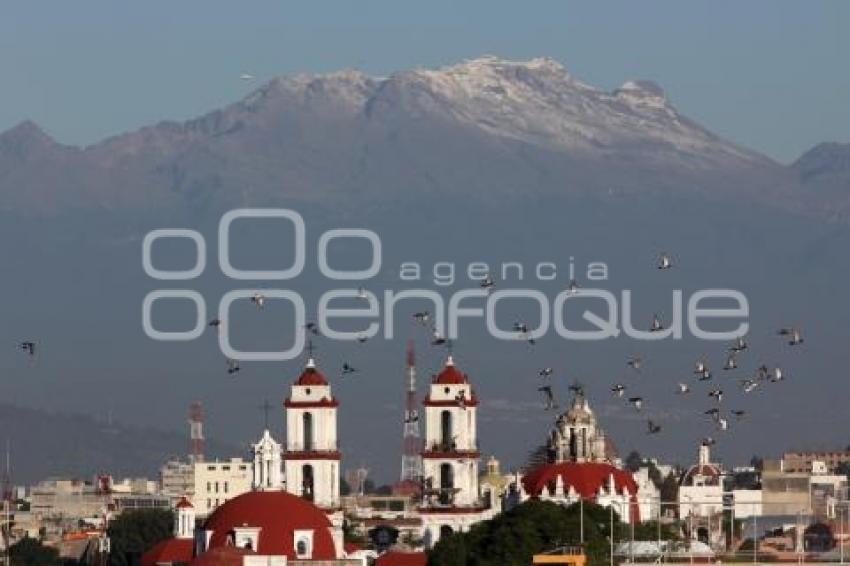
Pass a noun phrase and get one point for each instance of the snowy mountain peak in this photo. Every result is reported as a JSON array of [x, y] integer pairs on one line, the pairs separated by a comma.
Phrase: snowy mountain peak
[[641, 92]]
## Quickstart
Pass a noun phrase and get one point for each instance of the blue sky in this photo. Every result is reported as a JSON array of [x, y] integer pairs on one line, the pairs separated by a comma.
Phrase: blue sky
[[769, 75]]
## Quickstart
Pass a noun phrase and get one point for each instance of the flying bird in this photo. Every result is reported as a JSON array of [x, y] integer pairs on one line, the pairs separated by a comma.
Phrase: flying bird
[[573, 287], [521, 327], [487, 282], [312, 328], [683, 388], [550, 397], [665, 261], [635, 362], [717, 394], [361, 338], [460, 399], [738, 413], [637, 402], [739, 346], [348, 369], [714, 412], [777, 375], [618, 389], [705, 375], [361, 293], [794, 335], [259, 299], [700, 367], [748, 385], [708, 441], [232, 366], [545, 372], [422, 317], [731, 362], [656, 325], [438, 339], [722, 424], [762, 373], [28, 346], [215, 323], [653, 428]]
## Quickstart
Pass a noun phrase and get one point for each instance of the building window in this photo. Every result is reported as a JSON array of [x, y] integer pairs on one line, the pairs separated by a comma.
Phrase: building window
[[307, 482], [301, 548], [225, 487], [308, 431], [446, 484], [446, 430], [209, 487]]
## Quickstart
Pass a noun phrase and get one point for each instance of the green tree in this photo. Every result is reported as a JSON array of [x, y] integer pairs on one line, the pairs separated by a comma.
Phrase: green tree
[[133, 533], [30, 552], [530, 528], [669, 491], [633, 461], [843, 468]]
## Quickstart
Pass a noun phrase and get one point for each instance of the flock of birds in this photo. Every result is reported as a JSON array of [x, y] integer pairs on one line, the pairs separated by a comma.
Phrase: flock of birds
[[702, 372]]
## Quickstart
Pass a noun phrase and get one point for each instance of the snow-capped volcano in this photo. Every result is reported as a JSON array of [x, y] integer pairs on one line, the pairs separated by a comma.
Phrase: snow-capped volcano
[[478, 129]]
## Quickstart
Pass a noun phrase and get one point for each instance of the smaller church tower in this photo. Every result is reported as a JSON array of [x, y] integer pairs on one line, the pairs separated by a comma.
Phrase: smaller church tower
[[311, 457], [184, 519], [267, 464]]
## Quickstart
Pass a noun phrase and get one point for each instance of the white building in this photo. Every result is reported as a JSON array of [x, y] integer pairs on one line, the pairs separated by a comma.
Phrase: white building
[[219, 481], [451, 498], [701, 488]]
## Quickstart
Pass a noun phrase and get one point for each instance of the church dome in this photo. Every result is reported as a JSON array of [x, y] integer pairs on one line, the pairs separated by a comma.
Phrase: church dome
[[702, 474], [451, 375], [585, 478], [311, 375], [278, 514]]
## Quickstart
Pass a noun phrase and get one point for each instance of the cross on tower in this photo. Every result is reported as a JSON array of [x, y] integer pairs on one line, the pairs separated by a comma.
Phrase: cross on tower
[[266, 407]]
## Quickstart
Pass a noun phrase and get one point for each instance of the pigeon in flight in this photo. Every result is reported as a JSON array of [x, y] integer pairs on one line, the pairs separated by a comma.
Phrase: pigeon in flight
[[232, 366], [550, 397], [731, 363], [348, 369], [438, 339], [722, 424], [708, 441], [573, 287], [361, 338], [762, 373], [717, 394], [637, 402], [653, 428], [312, 328], [700, 367], [777, 375], [705, 375], [422, 317], [215, 323], [738, 413], [683, 388], [635, 362], [665, 261], [714, 412], [656, 325], [28, 346], [259, 299], [793, 334], [487, 282], [521, 327], [545, 372], [460, 399], [739, 346], [618, 389], [361, 293], [749, 385]]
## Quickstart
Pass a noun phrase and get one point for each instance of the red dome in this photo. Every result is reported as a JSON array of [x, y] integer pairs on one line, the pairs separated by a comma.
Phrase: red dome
[[395, 558], [173, 551], [184, 504], [311, 376], [585, 478], [451, 375], [222, 556], [279, 515]]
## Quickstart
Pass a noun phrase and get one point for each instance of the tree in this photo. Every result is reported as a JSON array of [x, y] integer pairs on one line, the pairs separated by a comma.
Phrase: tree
[[536, 458], [843, 468], [527, 529], [30, 552], [133, 533]]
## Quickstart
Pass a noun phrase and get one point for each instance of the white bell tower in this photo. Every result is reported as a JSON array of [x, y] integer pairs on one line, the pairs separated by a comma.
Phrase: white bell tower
[[311, 457], [451, 500], [267, 464], [184, 519]]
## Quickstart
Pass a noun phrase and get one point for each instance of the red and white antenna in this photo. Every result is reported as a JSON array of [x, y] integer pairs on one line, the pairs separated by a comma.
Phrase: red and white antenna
[[411, 461], [196, 432]]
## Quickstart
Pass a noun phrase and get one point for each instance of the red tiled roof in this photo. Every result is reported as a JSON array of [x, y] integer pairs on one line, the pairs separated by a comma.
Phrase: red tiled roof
[[222, 556], [184, 504], [170, 551]]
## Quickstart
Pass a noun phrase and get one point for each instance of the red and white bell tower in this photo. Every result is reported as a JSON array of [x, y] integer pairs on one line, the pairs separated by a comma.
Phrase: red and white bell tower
[[451, 500], [311, 457]]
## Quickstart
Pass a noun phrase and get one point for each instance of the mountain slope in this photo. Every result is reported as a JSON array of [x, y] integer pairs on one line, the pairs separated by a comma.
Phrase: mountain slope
[[475, 130]]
